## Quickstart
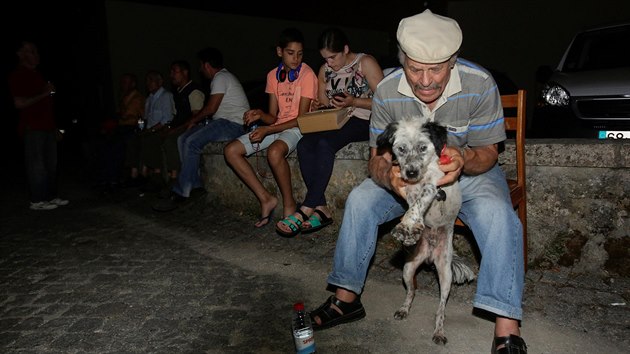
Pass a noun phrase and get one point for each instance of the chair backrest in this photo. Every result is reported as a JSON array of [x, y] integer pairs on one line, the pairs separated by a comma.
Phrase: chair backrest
[[514, 115], [514, 111]]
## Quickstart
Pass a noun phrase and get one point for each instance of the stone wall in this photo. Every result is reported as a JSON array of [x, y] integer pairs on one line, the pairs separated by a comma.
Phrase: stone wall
[[577, 203]]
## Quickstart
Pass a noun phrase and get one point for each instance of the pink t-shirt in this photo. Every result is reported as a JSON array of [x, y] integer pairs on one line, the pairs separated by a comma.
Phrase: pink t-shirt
[[289, 93]]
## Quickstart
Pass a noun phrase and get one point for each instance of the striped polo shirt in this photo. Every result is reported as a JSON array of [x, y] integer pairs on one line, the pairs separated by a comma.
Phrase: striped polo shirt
[[470, 106]]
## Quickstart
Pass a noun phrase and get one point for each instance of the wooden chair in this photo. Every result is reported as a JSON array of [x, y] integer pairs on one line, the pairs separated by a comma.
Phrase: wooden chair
[[514, 111]]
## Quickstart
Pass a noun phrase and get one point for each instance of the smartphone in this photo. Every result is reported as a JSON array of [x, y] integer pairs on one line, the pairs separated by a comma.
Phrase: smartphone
[[340, 95]]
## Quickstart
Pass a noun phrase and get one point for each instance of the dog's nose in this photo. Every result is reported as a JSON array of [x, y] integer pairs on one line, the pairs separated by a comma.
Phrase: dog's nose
[[411, 174]]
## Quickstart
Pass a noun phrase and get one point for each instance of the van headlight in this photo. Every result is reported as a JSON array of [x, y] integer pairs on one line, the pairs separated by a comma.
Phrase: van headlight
[[555, 95]]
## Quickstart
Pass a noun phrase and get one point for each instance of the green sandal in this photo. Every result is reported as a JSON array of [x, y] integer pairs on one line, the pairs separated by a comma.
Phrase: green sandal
[[293, 223]]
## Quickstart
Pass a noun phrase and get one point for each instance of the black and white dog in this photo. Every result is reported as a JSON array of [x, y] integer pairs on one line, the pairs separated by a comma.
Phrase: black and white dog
[[416, 146]]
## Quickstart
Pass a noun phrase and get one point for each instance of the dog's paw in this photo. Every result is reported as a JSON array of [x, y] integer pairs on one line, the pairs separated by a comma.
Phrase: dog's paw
[[439, 339], [397, 234], [418, 227], [405, 234], [401, 314], [410, 241], [400, 232]]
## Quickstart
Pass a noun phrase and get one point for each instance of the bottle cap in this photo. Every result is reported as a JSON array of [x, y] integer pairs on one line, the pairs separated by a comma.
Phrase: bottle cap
[[298, 306]]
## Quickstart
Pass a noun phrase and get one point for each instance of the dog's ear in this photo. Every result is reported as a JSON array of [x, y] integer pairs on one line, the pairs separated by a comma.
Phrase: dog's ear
[[385, 141], [437, 134]]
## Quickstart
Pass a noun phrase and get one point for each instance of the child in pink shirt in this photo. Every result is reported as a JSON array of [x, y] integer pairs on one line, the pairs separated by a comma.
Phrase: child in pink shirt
[[292, 86]]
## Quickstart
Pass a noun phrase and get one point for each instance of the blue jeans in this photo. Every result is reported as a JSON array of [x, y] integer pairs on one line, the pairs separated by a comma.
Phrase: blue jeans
[[486, 209], [40, 155], [191, 143]]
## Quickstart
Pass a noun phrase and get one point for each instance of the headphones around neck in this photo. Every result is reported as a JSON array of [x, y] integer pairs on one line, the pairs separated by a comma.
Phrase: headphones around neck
[[292, 75]]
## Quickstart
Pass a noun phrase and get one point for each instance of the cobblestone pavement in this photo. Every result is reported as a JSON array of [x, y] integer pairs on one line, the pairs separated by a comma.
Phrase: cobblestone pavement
[[109, 275]]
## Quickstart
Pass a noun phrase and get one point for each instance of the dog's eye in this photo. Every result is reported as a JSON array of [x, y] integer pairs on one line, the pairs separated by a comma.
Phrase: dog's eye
[[423, 148], [400, 150]]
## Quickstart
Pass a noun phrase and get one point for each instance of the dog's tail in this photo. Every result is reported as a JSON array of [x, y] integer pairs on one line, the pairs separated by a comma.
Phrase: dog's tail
[[461, 272]]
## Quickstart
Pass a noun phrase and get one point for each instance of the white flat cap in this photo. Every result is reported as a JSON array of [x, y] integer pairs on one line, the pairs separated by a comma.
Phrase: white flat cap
[[429, 38]]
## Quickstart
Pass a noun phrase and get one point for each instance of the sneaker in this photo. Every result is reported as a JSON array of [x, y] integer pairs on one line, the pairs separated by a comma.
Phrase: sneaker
[[165, 192], [59, 202], [171, 203], [43, 206]]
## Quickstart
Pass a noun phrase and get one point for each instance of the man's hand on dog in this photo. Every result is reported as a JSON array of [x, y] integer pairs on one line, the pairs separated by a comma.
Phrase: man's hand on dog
[[379, 167], [386, 174], [452, 166], [398, 184]]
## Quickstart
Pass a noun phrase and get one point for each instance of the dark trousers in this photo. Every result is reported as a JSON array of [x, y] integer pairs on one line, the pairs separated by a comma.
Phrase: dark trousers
[[40, 158], [170, 149], [113, 153], [316, 153], [151, 155]]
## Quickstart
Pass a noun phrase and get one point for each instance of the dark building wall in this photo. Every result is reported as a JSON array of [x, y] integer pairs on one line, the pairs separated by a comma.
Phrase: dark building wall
[[143, 37]]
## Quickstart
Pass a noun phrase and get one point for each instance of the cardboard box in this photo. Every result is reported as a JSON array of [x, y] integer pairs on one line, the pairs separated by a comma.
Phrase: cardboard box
[[324, 119]]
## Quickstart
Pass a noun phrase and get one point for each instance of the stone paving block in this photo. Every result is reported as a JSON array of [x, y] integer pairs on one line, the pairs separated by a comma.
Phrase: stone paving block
[[94, 343], [48, 298], [32, 341], [110, 309], [22, 287], [8, 323], [7, 338], [86, 325], [14, 300], [20, 311], [57, 324], [77, 310], [52, 311]]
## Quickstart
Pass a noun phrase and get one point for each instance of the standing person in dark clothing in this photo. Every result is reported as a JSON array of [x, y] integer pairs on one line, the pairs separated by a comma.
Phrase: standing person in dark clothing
[[33, 98]]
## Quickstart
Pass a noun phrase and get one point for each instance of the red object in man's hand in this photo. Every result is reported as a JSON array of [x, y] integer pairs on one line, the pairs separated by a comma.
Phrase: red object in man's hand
[[444, 159]]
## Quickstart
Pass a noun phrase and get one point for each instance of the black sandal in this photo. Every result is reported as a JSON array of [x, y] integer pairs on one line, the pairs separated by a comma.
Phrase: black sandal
[[509, 345], [329, 317], [318, 221]]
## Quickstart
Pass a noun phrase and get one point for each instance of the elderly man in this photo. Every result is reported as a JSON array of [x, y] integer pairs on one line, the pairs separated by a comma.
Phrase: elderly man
[[435, 85]]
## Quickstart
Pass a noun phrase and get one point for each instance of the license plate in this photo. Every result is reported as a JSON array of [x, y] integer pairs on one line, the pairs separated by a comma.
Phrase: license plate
[[610, 134]]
